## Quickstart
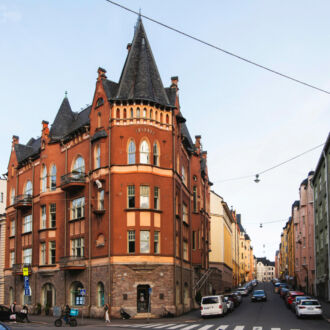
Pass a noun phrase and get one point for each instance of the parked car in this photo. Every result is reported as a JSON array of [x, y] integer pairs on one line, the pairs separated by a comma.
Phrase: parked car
[[238, 296], [259, 295], [4, 326], [213, 305], [243, 291], [308, 307], [254, 282], [228, 299], [280, 286], [297, 300], [290, 297], [283, 291], [276, 286], [5, 314]]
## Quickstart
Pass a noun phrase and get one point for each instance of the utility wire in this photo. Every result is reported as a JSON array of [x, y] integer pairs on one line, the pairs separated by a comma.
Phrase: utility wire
[[271, 168], [220, 49]]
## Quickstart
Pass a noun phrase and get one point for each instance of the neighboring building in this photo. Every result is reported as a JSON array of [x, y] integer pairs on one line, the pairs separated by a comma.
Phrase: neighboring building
[[235, 253], [284, 265], [277, 264], [221, 255], [321, 186], [247, 258], [265, 270], [3, 196], [291, 252], [303, 216], [112, 203]]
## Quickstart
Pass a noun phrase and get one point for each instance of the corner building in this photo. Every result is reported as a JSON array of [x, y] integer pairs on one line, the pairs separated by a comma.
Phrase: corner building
[[111, 204]]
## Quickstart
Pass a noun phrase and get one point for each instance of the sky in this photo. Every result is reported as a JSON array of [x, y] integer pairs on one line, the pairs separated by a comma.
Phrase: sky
[[249, 119]]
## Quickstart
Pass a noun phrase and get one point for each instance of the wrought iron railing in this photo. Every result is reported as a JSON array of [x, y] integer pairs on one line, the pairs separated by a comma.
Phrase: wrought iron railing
[[73, 177], [23, 199]]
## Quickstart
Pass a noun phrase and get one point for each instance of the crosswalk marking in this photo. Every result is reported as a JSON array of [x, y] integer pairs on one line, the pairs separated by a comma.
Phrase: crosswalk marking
[[205, 327], [223, 327], [165, 325], [275, 329], [239, 327], [153, 325], [257, 328], [178, 326], [191, 326]]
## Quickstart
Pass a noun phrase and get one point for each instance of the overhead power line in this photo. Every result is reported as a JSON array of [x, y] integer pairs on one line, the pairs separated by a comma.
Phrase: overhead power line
[[271, 168], [220, 49]]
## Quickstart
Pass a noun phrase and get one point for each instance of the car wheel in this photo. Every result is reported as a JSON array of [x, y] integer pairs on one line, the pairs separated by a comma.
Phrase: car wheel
[[58, 323]]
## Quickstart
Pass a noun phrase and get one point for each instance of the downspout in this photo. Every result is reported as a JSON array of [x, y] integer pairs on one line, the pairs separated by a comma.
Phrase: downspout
[[174, 210], [109, 210], [190, 237], [65, 219], [35, 277], [89, 228]]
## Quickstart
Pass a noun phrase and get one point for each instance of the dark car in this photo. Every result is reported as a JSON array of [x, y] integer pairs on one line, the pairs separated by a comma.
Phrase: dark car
[[5, 314], [283, 291], [233, 298], [290, 297], [238, 296], [259, 295]]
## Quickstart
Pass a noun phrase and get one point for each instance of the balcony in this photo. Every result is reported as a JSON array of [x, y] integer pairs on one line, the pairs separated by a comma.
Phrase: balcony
[[73, 263], [73, 181], [18, 268], [23, 201]]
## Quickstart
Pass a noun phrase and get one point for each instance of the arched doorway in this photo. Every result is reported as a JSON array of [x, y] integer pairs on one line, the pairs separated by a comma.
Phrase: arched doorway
[[48, 295], [143, 298]]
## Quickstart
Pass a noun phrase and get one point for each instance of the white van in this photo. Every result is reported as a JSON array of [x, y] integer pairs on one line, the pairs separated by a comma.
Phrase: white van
[[213, 305]]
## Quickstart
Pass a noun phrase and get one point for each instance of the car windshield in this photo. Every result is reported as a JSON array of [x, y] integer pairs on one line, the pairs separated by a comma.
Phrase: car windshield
[[259, 292], [210, 300], [310, 303]]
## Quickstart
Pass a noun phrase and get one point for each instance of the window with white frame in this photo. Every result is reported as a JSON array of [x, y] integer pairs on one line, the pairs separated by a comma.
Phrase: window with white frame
[[12, 228], [27, 256], [131, 196], [27, 224], [185, 217], [28, 188], [52, 215], [43, 253], [43, 217], [144, 197], [77, 247], [185, 250], [44, 178], [131, 241], [52, 252], [157, 242], [79, 165], [53, 178], [144, 241], [12, 196], [78, 208], [12, 259], [100, 200], [183, 175], [155, 154], [97, 156], [156, 198], [144, 152], [131, 152]]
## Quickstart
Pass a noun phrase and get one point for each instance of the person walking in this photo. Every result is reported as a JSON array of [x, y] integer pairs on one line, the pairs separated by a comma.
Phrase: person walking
[[24, 313], [13, 307], [107, 313]]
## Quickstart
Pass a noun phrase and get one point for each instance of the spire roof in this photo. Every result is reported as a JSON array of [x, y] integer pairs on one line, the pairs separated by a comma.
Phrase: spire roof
[[140, 79]]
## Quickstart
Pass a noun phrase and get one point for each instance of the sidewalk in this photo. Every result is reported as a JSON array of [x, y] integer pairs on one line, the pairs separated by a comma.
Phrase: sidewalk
[[325, 308]]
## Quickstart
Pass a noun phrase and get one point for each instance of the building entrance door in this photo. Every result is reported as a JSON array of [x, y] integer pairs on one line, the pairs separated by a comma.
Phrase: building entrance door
[[49, 298], [142, 298]]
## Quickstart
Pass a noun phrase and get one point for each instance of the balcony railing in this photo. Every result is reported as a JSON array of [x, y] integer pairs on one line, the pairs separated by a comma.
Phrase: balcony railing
[[73, 179], [24, 200], [18, 268], [73, 263]]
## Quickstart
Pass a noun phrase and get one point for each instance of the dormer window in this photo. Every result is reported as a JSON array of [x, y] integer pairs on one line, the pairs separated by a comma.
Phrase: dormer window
[[99, 102]]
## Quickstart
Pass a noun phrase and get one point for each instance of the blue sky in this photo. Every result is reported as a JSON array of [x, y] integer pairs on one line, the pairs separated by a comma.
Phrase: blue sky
[[249, 119]]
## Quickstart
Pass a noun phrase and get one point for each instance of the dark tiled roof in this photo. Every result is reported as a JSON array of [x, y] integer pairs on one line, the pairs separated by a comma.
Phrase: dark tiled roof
[[304, 183], [266, 262], [80, 119], [140, 79], [188, 142], [238, 217], [25, 151], [110, 88], [171, 94], [247, 237], [321, 160], [99, 135], [296, 204]]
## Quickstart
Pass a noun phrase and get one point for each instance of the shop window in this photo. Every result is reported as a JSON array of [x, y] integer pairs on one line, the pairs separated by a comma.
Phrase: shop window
[[77, 298]]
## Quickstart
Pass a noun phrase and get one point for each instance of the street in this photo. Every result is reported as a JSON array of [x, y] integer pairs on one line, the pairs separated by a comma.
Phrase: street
[[270, 315]]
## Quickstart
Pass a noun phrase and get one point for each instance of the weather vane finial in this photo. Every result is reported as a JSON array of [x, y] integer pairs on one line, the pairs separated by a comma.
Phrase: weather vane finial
[[66, 94]]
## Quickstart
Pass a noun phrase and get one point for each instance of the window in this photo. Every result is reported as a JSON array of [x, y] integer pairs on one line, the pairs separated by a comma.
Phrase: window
[[12, 228], [156, 242], [144, 113], [132, 113], [303, 219], [131, 241], [2, 197], [12, 196], [77, 246], [100, 294], [125, 114], [100, 200], [150, 114], [195, 198], [138, 112], [77, 210], [53, 178], [27, 256], [194, 240], [156, 198], [177, 246], [185, 250], [131, 196], [99, 120], [52, 252], [185, 213], [42, 253], [52, 215], [183, 174], [118, 113], [28, 188], [144, 241], [304, 242], [44, 179], [97, 156], [12, 259], [27, 224], [304, 260], [155, 154], [79, 165], [99, 102], [131, 152], [43, 217], [144, 197], [144, 152], [77, 298]]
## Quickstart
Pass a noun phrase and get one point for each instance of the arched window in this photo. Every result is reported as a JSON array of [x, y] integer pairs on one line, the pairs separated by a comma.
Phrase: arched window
[[77, 298], [43, 178], [125, 114], [144, 152], [97, 156], [28, 188], [132, 112], [48, 295], [155, 154], [167, 119], [118, 113], [161, 118], [156, 115], [150, 115], [53, 178], [12, 196], [138, 112], [79, 165], [100, 294], [131, 152], [144, 113], [99, 102]]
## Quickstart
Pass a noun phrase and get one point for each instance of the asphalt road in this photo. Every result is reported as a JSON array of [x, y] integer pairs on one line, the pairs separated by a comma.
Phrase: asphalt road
[[270, 315]]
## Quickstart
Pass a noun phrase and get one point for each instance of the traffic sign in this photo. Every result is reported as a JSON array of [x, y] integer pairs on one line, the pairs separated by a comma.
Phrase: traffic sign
[[83, 292], [27, 291], [25, 271], [26, 282]]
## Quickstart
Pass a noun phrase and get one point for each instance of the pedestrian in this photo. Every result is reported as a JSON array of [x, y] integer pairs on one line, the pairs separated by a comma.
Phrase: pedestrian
[[107, 313], [13, 307], [24, 313], [66, 314]]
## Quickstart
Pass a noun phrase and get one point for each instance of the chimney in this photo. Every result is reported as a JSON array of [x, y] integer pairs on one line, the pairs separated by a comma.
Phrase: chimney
[[129, 46], [198, 142], [45, 129], [101, 73], [15, 139], [175, 81]]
